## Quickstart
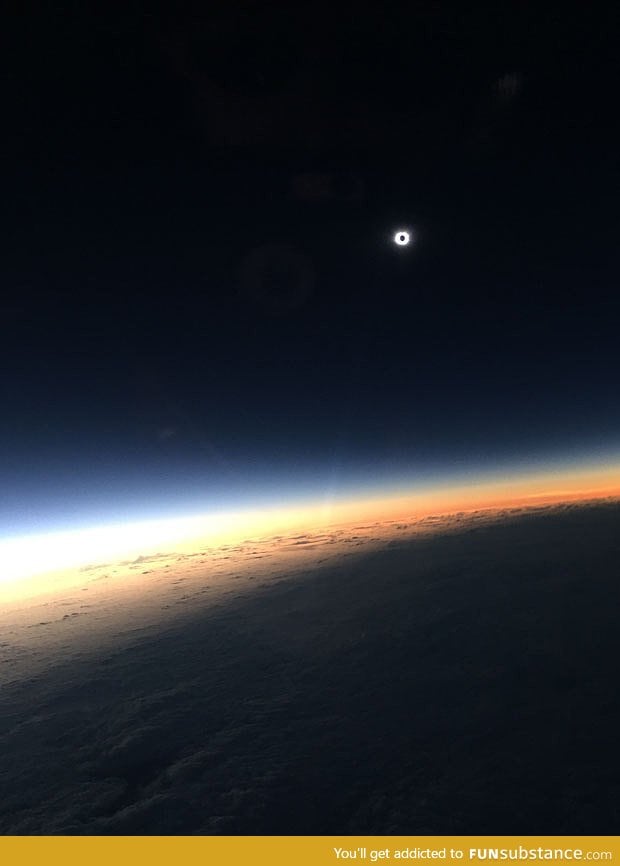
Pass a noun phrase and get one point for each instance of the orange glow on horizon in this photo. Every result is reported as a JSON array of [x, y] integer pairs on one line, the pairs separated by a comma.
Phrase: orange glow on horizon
[[34, 565]]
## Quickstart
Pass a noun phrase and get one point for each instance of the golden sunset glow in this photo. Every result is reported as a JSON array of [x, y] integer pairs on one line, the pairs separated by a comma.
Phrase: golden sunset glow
[[36, 564]]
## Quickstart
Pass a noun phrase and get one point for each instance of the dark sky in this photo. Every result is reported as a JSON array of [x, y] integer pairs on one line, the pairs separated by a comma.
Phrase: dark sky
[[202, 302]]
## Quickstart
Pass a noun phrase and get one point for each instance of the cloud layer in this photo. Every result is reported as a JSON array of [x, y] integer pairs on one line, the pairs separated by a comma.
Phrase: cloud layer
[[453, 681]]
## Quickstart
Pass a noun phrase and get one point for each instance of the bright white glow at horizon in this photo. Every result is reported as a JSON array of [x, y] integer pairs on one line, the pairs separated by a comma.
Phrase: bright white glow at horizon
[[44, 553], [35, 555], [40, 554]]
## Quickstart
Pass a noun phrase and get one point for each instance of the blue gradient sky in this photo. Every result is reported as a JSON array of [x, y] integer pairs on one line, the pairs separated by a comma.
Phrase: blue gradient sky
[[203, 306], [83, 495]]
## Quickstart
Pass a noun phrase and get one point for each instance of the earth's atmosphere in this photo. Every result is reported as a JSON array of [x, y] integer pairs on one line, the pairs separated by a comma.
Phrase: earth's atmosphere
[[452, 675]]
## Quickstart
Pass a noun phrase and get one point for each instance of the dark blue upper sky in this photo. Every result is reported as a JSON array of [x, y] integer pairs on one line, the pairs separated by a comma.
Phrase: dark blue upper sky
[[201, 299]]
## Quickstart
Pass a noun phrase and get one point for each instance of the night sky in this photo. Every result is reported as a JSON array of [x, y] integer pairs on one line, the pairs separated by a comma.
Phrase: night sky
[[203, 306]]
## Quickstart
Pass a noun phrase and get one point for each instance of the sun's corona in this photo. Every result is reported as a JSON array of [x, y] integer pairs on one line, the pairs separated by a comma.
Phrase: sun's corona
[[402, 238]]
